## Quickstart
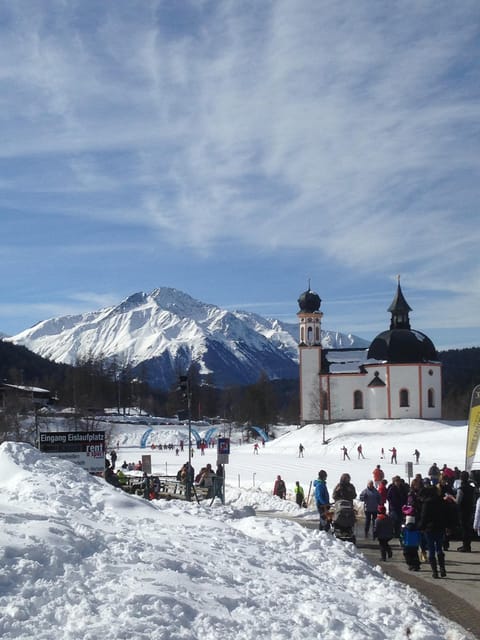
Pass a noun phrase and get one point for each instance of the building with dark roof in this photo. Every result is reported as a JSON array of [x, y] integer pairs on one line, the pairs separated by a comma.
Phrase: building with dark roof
[[398, 376]]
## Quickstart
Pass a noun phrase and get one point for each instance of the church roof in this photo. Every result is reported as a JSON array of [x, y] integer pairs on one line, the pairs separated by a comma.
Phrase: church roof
[[401, 344]]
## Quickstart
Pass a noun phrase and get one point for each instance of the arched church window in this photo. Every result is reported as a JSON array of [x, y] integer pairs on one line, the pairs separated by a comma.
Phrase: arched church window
[[302, 334], [404, 399], [357, 399], [431, 397], [309, 335]]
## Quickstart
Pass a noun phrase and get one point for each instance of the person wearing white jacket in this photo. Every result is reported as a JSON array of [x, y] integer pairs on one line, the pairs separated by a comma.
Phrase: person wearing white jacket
[[476, 520]]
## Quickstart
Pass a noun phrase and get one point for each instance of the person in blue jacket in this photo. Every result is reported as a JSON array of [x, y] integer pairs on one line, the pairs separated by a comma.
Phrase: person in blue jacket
[[322, 500], [371, 501]]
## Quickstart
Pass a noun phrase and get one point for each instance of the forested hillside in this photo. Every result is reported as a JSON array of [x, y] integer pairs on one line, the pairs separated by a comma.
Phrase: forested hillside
[[461, 373], [91, 386], [18, 365]]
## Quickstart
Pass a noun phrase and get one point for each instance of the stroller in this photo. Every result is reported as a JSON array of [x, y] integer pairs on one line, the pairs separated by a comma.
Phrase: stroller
[[343, 521]]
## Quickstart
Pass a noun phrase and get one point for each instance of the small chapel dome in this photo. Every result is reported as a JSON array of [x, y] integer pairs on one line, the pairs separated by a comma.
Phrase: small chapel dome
[[309, 301], [402, 346]]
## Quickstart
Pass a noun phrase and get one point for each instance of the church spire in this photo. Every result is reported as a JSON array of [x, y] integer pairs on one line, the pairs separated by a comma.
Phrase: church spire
[[399, 310]]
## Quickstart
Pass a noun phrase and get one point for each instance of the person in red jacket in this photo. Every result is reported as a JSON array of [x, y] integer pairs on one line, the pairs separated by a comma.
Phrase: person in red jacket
[[382, 490], [279, 488], [378, 476]]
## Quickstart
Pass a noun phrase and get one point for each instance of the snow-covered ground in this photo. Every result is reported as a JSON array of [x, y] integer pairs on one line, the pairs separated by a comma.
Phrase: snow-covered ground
[[82, 560]]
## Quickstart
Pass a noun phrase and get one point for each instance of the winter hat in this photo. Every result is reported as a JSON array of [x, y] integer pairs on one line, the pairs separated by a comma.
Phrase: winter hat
[[408, 510], [382, 509]]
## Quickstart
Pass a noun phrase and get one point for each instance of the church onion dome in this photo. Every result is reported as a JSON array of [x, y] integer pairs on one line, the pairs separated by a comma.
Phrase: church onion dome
[[309, 302], [401, 344]]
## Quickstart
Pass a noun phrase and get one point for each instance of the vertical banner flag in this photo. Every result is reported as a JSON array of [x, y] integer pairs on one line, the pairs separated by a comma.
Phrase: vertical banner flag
[[472, 456]]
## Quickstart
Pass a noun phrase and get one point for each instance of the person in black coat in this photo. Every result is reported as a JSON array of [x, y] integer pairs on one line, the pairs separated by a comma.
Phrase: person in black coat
[[344, 489], [397, 494], [465, 504], [383, 531], [433, 522]]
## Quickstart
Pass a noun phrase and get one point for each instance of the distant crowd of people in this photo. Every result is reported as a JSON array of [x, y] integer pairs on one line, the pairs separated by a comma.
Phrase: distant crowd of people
[[392, 451]]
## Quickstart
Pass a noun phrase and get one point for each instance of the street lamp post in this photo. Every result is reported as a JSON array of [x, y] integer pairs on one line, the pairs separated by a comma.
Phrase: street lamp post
[[185, 388]]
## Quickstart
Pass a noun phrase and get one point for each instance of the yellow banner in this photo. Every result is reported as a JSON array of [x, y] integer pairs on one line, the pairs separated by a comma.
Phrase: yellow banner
[[473, 432]]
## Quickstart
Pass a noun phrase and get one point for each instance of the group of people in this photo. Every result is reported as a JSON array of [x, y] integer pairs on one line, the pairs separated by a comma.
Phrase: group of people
[[344, 490], [424, 514], [393, 451], [168, 447], [280, 490], [206, 477]]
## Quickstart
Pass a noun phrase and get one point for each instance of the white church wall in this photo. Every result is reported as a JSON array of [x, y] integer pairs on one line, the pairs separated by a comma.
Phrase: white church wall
[[309, 385], [404, 377], [431, 378], [377, 402], [342, 388]]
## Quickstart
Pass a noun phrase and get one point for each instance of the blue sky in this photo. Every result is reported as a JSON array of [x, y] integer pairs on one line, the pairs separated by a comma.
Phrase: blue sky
[[233, 150]]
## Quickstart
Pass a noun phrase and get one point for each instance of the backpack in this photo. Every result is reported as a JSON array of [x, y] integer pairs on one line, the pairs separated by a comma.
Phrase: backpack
[[344, 514]]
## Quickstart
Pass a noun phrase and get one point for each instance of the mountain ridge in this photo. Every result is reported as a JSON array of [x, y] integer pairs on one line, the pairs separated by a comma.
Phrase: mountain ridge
[[160, 334]]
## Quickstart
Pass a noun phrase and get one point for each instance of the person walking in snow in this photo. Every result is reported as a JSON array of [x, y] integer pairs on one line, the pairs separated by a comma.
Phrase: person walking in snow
[[393, 459], [383, 531], [345, 489], [113, 458], [476, 519], [397, 495], [416, 453], [301, 449], [434, 473], [360, 452], [279, 488], [322, 500], [255, 448], [432, 523], [383, 491], [466, 504], [378, 476], [299, 495], [371, 501], [345, 453]]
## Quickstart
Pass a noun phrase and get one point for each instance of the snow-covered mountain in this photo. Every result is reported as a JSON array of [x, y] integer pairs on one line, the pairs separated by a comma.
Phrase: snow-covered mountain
[[159, 334]]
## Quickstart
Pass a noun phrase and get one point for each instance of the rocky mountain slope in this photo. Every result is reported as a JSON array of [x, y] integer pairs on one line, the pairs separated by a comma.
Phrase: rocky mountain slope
[[161, 333]]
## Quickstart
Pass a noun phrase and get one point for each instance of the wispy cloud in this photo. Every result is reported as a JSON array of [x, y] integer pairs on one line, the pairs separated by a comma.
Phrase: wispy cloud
[[345, 130]]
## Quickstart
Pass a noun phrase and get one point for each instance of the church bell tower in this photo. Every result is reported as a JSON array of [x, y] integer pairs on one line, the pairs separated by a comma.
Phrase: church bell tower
[[310, 356]]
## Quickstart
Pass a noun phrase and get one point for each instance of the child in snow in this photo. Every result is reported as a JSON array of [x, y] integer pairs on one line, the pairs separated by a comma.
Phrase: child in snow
[[383, 530], [410, 538]]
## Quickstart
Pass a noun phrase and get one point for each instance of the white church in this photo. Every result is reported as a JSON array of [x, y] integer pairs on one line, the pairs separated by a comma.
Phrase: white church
[[398, 376]]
